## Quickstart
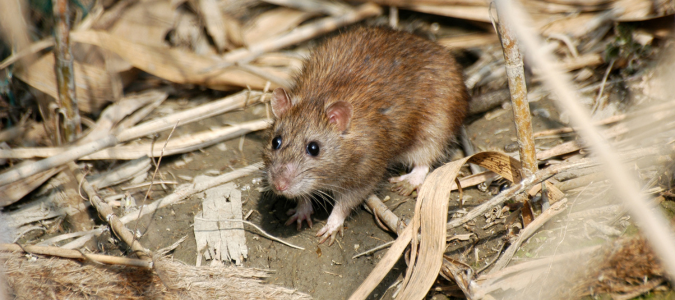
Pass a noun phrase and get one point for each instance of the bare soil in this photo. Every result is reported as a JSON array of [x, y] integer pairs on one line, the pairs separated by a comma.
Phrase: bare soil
[[325, 272]]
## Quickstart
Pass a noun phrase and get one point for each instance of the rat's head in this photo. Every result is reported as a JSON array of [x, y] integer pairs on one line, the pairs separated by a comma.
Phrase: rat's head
[[305, 149]]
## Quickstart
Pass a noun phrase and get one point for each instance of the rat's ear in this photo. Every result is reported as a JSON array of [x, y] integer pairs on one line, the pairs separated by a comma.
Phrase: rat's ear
[[280, 102], [340, 114]]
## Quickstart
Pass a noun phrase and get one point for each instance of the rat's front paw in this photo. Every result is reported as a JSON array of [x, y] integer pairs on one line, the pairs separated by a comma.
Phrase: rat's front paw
[[333, 226], [301, 212]]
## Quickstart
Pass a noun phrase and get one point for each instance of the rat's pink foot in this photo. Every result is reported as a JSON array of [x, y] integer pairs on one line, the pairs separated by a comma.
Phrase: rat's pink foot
[[301, 212], [407, 183], [333, 226]]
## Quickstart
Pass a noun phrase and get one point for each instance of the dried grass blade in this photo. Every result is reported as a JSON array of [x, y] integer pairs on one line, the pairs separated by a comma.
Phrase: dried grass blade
[[214, 23], [469, 41], [210, 109], [556, 209], [238, 100], [473, 13], [431, 214], [116, 112], [432, 205], [383, 266]]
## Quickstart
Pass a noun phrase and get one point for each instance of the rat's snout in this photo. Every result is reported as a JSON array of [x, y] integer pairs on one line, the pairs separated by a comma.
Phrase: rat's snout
[[282, 178], [281, 184]]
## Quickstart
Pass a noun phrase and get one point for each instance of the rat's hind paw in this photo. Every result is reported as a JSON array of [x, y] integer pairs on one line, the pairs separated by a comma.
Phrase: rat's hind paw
[[407, 183], [404, 188], [301, 212]]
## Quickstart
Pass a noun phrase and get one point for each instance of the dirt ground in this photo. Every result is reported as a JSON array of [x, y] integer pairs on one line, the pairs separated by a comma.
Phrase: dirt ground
[[325, 272]]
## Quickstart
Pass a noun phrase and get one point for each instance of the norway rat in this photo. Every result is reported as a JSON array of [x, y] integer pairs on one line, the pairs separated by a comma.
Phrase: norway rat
[[364, 100]]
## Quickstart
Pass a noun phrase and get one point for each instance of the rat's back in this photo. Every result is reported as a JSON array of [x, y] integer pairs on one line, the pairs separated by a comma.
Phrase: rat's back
[[404, 89]]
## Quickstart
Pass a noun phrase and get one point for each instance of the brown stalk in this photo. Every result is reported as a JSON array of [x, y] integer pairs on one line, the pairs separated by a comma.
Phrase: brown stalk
[[65, 75], [515, 73]]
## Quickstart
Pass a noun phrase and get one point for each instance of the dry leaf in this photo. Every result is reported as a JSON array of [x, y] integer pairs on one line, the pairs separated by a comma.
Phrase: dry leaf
[[213, 20], [146, 22], [92, 84], [188, 34], [235, 35], [633, 10], [172, 64]]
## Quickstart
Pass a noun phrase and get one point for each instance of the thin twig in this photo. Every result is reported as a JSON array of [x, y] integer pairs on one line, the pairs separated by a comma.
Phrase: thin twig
[[263, 232], [385, 245], [140, 185], [602, 87], [152, 181]]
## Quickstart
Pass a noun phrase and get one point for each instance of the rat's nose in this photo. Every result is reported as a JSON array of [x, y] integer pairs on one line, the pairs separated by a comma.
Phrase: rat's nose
[[281, 184]]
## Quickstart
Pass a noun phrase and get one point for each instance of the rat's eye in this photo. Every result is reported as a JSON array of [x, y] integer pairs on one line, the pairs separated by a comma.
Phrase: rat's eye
[[313, 148], [276, 143]]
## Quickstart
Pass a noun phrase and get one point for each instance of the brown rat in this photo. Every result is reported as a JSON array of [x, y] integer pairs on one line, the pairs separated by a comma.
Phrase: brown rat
[[364, 100]]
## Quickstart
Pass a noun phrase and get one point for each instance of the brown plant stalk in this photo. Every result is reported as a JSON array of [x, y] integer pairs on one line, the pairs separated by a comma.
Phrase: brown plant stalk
[[65, 75]]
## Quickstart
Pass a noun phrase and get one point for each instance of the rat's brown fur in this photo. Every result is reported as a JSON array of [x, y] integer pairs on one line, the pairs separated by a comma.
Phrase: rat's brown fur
[[408, 101]]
